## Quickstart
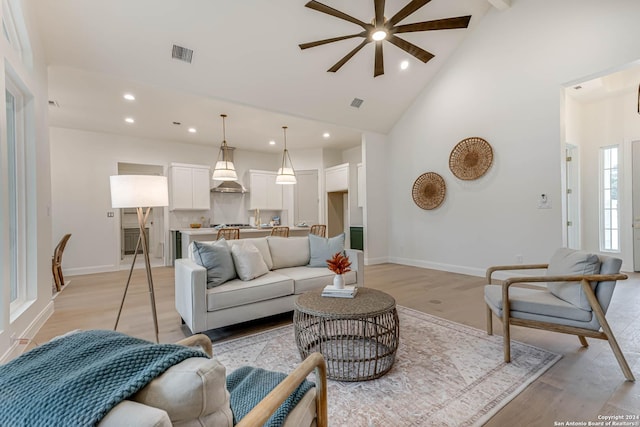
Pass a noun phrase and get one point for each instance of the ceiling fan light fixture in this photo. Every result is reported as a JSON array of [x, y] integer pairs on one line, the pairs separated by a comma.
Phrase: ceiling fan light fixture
[[286, 174], [379, 35], [224, 169]]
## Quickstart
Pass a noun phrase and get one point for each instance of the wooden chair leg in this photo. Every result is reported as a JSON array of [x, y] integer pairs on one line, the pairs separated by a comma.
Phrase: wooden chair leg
[[597, 310], [507, 341], [489, 321], [583, 341]]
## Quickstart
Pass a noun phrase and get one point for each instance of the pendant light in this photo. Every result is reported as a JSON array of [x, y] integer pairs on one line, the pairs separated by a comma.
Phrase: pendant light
[[224, 170], [286, 174]]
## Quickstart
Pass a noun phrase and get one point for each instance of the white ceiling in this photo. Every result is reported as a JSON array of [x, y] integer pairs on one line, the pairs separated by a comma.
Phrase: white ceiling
[[606, 86], [246, 63]]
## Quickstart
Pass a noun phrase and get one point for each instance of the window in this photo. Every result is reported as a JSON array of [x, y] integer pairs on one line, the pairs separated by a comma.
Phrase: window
[[16, 186], [609, 203]]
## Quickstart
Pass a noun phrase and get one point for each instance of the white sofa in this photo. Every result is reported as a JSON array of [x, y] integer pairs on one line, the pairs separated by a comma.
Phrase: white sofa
[[272, 293]]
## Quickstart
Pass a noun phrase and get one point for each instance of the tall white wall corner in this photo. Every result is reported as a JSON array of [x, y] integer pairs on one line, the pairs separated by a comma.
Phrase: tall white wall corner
[[500, 4]]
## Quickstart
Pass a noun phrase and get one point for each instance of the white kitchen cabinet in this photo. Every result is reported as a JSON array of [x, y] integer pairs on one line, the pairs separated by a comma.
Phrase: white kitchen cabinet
[[337, 178], [305, 197], [264, 192], [361, 186], [189, 187]]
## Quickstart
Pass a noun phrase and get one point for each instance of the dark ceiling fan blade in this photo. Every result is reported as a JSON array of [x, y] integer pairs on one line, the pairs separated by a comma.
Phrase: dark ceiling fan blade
[[379, 7], [379, 62], [334, 12], [410, 48], [347, 57], [335, 39], [438, 24], [407, 10]]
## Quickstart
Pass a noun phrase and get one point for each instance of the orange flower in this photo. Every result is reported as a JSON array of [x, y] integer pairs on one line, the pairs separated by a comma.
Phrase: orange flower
[[339, 263]]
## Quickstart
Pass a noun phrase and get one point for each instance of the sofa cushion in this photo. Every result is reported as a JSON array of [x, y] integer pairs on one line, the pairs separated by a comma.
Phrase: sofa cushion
[[261, 244], [321, 249], [569, 262], [194, 388], [288, 251], [236, 292], [216, 258], [306, 279], [248, 261]]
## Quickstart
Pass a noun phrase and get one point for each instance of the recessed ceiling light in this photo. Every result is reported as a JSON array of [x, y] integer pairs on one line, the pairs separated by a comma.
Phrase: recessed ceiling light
[[177, 123], [272, 142], [129, 97], [404, 65], [326, 135], [192, 130], [129, 120]]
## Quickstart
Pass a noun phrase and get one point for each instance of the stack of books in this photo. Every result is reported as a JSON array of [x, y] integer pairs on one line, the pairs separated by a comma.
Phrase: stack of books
[[346, 292]]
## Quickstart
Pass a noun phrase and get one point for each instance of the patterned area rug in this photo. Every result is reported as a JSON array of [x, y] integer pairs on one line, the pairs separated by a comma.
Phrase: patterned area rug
[[445, 374]]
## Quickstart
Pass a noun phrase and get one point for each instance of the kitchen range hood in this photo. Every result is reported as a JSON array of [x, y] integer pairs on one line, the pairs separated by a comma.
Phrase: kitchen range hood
[[229, 186]]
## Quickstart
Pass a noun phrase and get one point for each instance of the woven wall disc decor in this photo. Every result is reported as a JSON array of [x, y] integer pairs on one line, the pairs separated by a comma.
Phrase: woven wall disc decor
[[429, 190], [471, 158]]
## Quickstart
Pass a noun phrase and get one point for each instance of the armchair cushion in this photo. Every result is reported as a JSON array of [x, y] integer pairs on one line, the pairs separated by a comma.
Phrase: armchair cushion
[[568, 262], [216, 258], [194, 388]]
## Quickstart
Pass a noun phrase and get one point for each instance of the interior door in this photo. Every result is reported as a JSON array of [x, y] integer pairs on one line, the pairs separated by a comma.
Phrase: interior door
[[573, 194], [635, 188]]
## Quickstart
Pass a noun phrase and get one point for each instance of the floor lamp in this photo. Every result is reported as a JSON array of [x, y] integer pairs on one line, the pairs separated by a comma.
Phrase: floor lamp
[[142, 192]]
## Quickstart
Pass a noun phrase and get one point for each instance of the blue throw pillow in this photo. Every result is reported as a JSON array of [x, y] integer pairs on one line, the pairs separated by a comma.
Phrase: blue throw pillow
[[216, 258], [322, 249]]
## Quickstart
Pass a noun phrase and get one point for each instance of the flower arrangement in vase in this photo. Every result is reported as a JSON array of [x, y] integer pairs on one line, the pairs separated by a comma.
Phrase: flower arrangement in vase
[[339, 264]]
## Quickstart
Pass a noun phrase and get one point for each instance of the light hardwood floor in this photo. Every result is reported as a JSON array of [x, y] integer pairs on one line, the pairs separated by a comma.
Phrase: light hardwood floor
[[585, 383]]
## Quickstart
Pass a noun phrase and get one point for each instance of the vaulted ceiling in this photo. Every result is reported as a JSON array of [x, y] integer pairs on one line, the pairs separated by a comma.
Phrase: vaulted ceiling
[[246, 63]]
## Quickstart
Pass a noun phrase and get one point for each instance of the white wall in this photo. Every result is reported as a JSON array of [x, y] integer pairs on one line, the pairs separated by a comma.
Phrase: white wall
[[378, 209], [503, 84], [32, 73]]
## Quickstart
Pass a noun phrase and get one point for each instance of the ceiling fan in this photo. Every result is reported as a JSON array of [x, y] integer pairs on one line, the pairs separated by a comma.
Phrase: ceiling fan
[[381, 29]]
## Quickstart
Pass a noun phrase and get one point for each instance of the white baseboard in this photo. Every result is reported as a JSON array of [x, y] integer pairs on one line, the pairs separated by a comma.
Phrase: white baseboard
[[90, 270], [471, 271], [373, 261], [16, 349]]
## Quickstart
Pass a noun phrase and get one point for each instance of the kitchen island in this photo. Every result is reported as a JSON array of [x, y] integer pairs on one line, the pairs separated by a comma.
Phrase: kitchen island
[[209, 234]]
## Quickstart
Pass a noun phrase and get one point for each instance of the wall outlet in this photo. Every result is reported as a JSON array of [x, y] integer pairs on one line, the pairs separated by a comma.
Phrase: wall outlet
[[110, 214], [519, 259]]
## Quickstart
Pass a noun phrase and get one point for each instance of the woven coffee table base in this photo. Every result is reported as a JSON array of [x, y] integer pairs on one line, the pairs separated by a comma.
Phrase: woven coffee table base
[[355, 349]]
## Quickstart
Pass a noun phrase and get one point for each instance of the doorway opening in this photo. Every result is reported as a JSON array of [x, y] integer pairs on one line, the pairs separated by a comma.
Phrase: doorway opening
[[130, 231]]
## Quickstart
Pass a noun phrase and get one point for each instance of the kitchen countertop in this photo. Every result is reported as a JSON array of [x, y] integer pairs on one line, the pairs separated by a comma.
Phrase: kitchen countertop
[[211, 230]]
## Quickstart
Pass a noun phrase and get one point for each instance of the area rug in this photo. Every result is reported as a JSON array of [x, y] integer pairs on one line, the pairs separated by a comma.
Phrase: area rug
[[445, 374]]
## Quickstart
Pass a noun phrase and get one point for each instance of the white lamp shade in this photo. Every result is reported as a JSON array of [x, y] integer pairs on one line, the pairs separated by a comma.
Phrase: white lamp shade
[[139, 191], [225, 171], [285, 176]]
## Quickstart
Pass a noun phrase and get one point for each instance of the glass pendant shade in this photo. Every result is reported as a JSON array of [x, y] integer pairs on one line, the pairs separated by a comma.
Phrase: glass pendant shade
[[224, 169], [286, 174]]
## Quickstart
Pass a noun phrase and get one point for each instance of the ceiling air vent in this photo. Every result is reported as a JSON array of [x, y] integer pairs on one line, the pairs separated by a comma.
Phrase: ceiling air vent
[[357, 102], [53, 103], [181, 53]]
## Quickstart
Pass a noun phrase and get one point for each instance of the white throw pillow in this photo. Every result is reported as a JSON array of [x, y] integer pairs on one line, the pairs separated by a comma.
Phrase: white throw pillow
[[289, 251], [261, 244], [248, 261]]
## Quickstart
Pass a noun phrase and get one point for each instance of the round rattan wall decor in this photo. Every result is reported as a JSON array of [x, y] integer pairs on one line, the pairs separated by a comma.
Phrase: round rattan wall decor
[[429, 190], [471, 158]]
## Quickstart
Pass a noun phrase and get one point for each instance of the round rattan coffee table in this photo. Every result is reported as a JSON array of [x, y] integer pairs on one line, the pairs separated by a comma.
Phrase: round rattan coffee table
[[358, 337]]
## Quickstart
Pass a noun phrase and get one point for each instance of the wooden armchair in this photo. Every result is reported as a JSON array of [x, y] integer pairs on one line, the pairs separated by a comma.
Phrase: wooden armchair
[[56, 262], [228, 233], [280, 231], [318, 230], [267, 406], [579, 289]]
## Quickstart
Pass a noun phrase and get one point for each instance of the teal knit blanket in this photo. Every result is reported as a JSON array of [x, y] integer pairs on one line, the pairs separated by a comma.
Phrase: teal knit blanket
[[76, 379], [247, 386]]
